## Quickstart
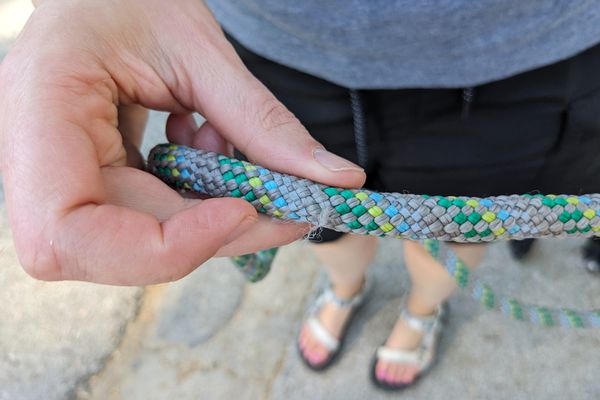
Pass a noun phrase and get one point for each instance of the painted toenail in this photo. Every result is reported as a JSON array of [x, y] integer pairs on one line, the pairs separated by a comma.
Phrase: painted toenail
[[315, 358]]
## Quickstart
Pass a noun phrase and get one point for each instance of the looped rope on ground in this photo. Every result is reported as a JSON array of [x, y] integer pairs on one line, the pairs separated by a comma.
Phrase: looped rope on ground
[[432, 219]]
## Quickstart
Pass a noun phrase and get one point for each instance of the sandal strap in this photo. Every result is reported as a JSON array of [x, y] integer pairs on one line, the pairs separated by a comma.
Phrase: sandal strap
[[328, 296], [319, 331], [426, 323], [323, 335], [419, 323], [398, 356]]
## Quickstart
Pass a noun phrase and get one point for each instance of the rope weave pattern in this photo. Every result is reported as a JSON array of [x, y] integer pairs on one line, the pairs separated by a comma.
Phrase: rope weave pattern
[[408, 216]]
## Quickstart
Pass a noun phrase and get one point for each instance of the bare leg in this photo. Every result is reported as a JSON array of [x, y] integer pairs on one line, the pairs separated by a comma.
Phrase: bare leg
[[345, 261], [431, 285]]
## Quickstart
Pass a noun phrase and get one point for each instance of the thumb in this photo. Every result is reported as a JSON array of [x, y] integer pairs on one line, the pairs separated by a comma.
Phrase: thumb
[[249, 116]]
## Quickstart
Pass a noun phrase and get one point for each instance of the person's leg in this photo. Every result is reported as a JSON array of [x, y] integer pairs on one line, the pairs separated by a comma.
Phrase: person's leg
[[325, 110], [431, 285], [345, 261], [517, 137]]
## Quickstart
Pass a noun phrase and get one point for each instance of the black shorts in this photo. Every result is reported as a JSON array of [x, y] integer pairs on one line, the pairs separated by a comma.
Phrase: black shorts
[[538, 131]]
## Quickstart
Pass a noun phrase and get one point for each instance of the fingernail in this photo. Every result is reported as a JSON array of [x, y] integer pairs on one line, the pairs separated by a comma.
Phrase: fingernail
[[334, 162], [243, 226]]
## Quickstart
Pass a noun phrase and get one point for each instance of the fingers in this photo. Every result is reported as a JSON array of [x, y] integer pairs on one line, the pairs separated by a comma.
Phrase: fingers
[[148, 234], [208, 138], [242, 109], [132, 248], [138, 190], [268, 134], [182, 129], [142, 233], [264, 234], [131, 188]]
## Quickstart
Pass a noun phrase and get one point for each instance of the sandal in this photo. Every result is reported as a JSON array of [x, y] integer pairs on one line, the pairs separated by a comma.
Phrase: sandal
[[423, 357], [333, 344]]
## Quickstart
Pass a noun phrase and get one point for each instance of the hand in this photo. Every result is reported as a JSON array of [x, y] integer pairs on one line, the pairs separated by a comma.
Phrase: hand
[[76, 209]]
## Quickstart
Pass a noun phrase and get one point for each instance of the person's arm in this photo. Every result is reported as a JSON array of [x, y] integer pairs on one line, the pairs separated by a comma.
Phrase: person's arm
[[77, 211]]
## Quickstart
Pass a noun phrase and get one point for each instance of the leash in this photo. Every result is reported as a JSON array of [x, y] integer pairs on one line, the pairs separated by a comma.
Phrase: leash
[[430, 219]]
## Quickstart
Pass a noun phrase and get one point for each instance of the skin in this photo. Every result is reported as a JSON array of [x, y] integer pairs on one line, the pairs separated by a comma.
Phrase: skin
[[430, 285], [77, 208]]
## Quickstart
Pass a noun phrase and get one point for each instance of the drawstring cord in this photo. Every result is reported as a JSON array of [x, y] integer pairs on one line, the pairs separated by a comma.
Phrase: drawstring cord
[[360, 136], [468, 94]]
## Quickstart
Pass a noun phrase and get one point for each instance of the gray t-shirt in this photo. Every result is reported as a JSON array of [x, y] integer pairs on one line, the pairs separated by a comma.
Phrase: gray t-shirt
[[410, 43]]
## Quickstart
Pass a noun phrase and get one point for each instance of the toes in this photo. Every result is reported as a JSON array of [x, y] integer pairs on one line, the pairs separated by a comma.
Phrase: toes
[[380, 371], [409, 374], [318, 353], [384, 372], [305, 344], [315, 355], [318, 358], [312, 350], [395, 374], [389, 374]]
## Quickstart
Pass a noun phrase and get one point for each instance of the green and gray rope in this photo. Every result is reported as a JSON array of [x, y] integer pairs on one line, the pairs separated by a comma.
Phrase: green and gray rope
[[431, 219], [257, 265]]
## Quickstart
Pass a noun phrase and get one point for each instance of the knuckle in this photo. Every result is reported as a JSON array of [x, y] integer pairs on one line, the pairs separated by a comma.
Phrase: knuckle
[[274, 115]]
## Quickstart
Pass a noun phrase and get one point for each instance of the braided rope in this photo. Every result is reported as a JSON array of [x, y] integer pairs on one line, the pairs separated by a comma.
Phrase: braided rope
[[416, 217], [257, 265]]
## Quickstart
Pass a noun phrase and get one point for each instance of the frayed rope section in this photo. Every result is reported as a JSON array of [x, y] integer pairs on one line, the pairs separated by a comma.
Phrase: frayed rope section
[[432, 220]]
